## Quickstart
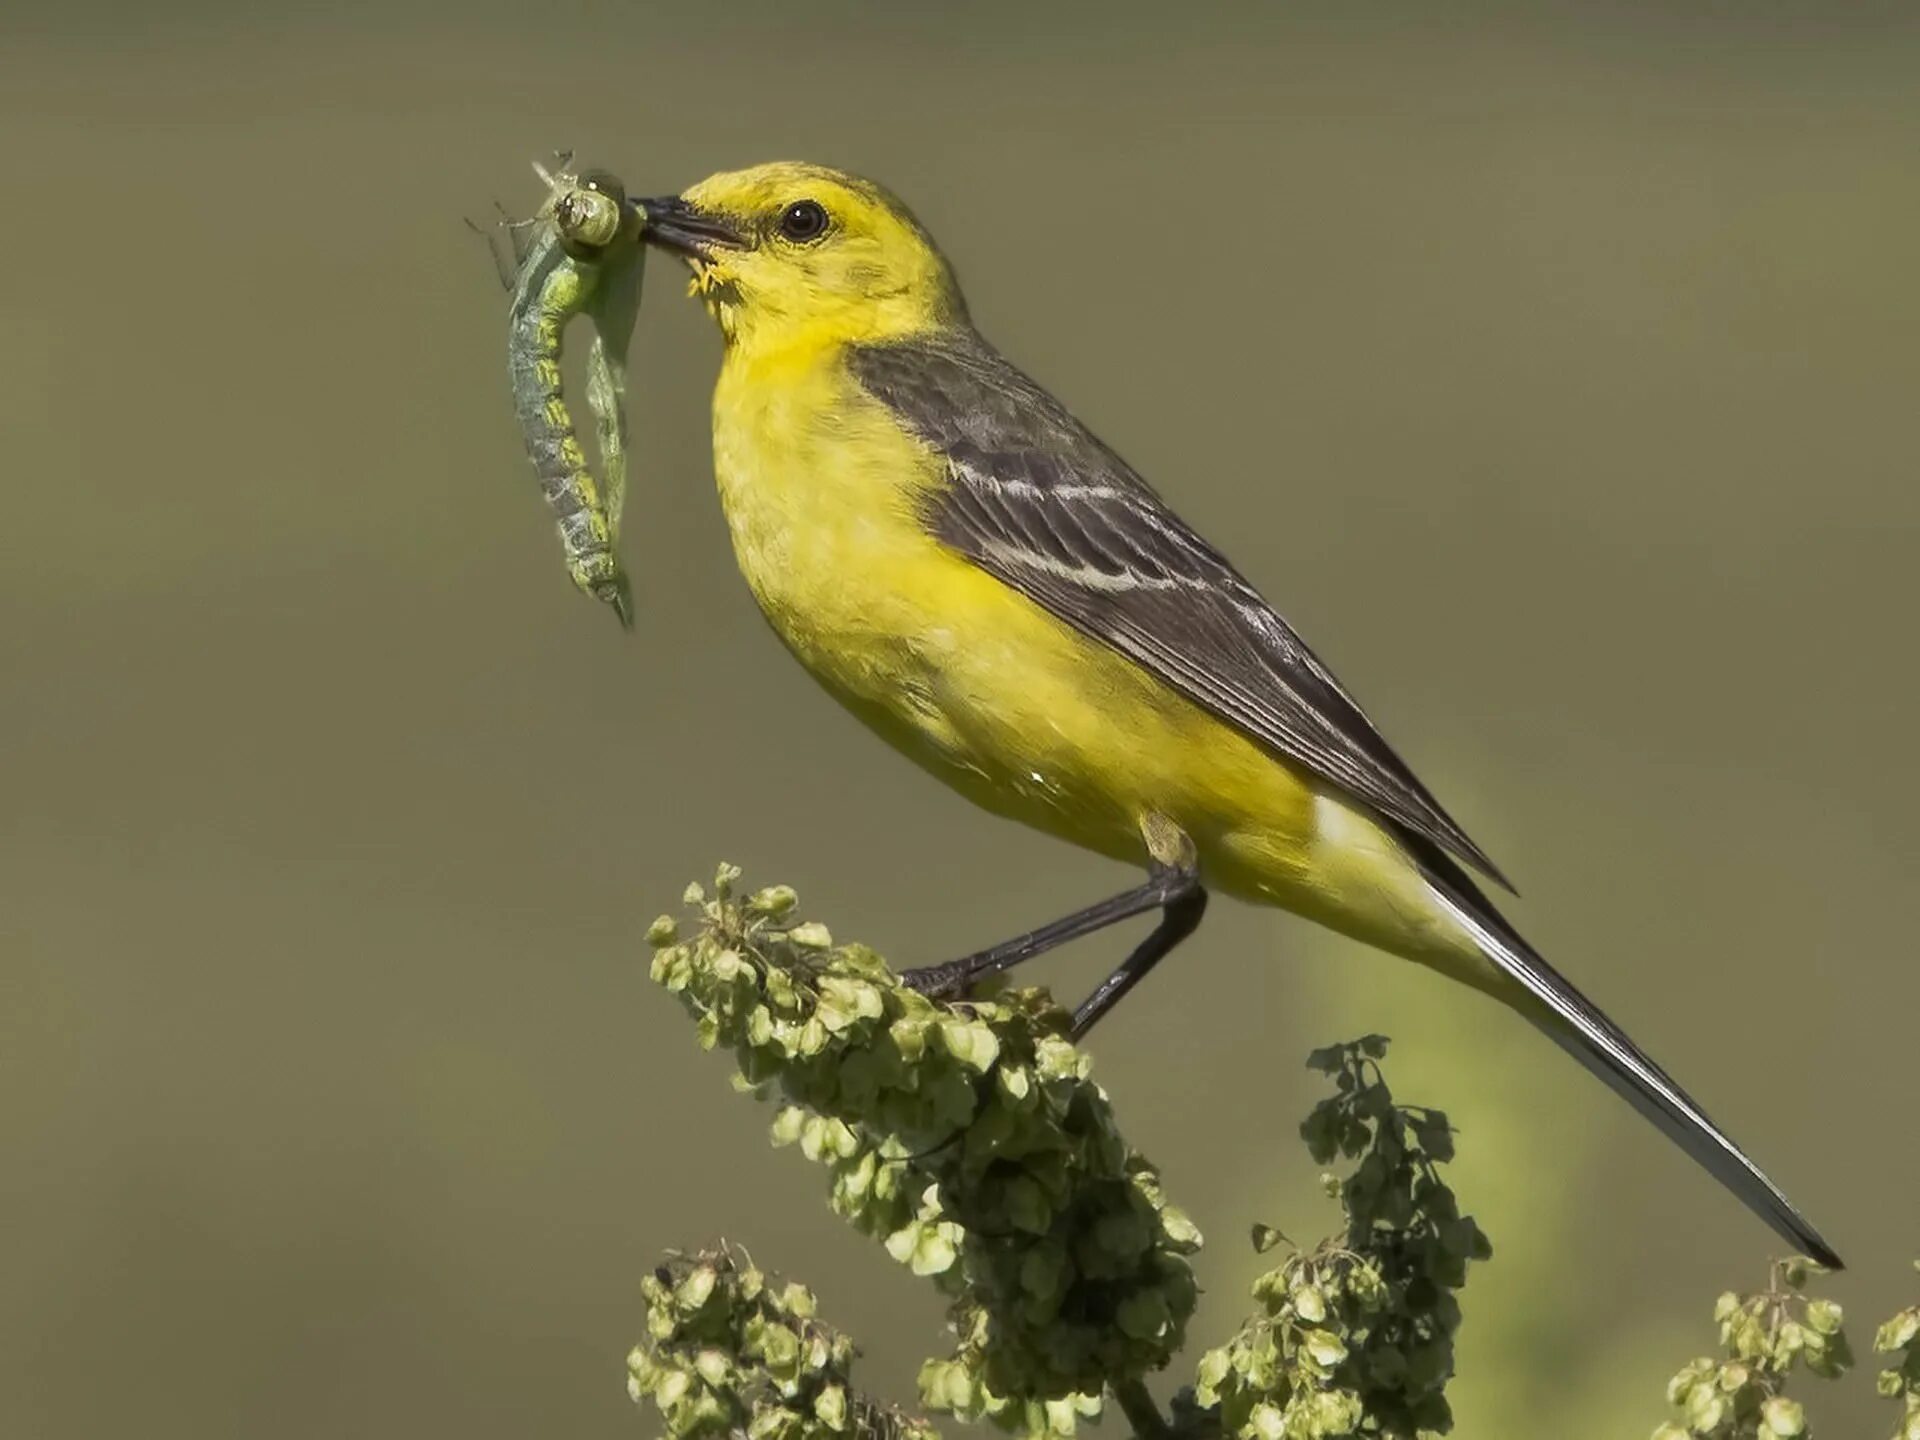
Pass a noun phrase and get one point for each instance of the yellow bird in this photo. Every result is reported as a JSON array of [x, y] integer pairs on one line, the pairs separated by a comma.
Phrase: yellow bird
[[975, 575]]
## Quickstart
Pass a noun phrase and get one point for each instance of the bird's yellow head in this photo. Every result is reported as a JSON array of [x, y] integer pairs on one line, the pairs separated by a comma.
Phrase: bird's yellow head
[[799, 254]]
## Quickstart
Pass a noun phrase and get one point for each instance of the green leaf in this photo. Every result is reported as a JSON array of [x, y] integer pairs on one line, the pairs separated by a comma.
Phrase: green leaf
[[1328, 1059], [1027, 1205], [1143, 1315], [1042, 1271], [1177, 1227]]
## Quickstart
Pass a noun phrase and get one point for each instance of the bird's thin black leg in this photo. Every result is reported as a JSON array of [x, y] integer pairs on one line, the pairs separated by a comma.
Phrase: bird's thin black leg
[[1168, 887], [1178, 920]]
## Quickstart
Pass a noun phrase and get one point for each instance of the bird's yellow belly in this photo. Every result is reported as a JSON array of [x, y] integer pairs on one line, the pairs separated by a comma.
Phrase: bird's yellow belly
[[1010, 706]]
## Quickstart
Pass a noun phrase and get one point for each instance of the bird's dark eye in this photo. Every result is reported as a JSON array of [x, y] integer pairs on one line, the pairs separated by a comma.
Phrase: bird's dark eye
[[803, 220]]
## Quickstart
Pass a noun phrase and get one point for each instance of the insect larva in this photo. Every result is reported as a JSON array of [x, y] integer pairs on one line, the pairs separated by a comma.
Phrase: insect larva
[[583, 257]]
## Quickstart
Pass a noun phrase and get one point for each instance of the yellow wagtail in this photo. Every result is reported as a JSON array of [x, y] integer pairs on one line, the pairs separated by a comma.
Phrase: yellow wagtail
[[981, 580]]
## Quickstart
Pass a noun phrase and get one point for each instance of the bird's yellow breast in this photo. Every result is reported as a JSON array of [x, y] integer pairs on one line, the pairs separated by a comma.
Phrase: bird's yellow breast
[[823, 492]]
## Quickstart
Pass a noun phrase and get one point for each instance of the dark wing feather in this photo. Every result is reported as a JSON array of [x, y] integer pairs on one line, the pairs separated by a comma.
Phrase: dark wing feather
[[1038, 502]]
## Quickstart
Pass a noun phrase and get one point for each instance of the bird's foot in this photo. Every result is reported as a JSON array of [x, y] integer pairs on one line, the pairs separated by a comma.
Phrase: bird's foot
[[949, 981]]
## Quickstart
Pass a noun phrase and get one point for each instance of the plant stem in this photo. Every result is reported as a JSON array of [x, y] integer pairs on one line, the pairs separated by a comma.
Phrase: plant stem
[[1142, 1414]]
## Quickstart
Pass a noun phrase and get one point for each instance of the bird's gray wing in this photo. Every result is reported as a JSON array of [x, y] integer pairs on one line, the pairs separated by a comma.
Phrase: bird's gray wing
[[1038, 502]]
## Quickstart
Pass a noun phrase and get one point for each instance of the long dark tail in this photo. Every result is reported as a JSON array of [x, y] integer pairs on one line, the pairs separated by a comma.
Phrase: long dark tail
[[1580, 1028]]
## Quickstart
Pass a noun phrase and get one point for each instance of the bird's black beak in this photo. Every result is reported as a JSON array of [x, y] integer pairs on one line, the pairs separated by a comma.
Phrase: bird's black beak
[[674, 225]]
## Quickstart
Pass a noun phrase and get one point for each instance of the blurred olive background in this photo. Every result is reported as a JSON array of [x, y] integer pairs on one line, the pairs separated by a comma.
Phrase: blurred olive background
[[1552, 367]]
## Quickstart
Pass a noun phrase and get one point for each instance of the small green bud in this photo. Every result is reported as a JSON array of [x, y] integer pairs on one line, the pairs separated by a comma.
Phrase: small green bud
[[780, 1347], [909, 1036], [1783, 1417], [936, 1249], [902, 1242], [788, 1125], [759, 1026], [693, 1292], [1055, 1059], [970, 1042], [1324, 1347], [1705, 1408], [1215, 1367], [772, 903], [813, 1037], [1681, 1385], [797, 1300], [1824, 1316], [671, 1387], [1267, 1422], [830, 1407], [1898, 1332]]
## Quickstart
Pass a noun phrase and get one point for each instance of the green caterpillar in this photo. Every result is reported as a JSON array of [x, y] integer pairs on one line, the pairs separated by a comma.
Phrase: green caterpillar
[[583, 258]]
